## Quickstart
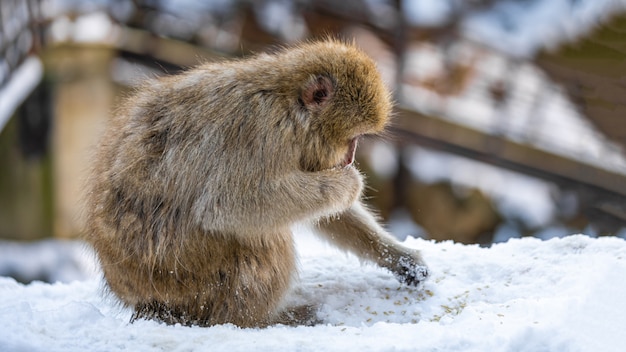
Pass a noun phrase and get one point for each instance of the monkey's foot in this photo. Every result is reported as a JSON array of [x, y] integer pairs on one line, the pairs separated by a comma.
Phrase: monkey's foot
[[300, 315], [411, 273]]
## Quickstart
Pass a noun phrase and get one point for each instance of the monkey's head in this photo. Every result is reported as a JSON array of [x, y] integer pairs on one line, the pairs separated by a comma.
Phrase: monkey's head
[[338, 96]]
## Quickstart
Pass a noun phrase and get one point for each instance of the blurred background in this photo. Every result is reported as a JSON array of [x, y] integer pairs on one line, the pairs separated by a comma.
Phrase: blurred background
[[510, 118]]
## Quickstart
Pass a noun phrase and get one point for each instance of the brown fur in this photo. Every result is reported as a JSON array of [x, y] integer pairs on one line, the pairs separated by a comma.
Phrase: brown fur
[[200, 176]]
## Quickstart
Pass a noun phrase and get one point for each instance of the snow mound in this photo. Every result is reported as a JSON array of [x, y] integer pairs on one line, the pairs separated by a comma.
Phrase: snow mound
[[523, 295]]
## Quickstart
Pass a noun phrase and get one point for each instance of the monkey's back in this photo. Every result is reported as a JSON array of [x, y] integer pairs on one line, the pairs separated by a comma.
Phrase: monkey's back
[[185, 211]]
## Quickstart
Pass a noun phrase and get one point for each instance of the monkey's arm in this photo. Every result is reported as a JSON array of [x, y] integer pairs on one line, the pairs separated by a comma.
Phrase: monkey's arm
[[281, 202], [357, 231], [311, 195]]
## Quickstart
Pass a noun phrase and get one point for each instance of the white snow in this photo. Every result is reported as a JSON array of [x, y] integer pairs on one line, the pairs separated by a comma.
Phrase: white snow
[[23, 81], [524, 295], [427, 12], [516, 195], [280, 18], [519, 28], [538, 113], [47, 260], [93, 27]]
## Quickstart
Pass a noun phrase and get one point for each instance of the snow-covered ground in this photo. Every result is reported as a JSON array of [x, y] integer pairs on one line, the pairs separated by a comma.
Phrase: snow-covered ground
[[523, 295]]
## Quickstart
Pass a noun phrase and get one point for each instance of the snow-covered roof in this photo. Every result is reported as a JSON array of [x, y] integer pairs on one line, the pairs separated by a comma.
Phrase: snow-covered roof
[[535, 111], [516, 27]]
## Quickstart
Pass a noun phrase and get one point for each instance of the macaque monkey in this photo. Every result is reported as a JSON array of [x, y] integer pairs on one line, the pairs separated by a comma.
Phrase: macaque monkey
[[200, 176]]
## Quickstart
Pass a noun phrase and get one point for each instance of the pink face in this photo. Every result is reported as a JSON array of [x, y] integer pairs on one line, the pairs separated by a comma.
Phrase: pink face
[[349, 157]]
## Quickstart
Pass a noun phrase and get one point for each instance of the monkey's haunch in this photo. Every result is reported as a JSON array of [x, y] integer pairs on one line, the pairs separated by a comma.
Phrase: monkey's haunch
[[200, 176]]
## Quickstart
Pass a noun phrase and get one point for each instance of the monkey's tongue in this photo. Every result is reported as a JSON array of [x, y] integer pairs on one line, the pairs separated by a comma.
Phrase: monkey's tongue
[[349, 158]]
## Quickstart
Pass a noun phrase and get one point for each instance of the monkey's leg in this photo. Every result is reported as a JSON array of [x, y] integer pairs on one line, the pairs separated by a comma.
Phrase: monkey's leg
[[357, 231], [260, 276], [240, 280], [299, 315], [257, 275]]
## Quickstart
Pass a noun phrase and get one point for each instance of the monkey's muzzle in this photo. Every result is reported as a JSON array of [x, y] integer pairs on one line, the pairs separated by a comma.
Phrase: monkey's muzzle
[[349, 158]]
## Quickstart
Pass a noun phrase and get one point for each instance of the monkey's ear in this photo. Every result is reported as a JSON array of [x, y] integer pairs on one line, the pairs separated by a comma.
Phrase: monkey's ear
[[317, 93]]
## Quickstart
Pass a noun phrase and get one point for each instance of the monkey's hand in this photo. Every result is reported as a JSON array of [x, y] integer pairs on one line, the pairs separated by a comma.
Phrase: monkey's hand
[[357, 231], [410, 269], [341, 187]]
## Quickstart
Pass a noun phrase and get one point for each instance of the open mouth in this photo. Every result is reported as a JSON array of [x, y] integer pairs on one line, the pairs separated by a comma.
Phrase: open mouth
[[348, 159]]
